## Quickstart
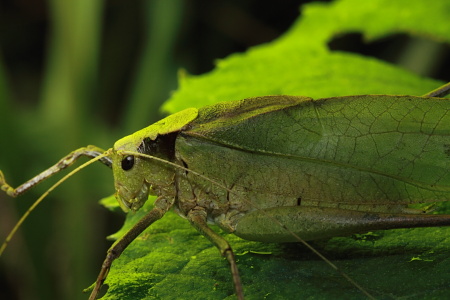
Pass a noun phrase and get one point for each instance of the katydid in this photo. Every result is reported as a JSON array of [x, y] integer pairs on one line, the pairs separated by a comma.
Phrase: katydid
[[281, 169]]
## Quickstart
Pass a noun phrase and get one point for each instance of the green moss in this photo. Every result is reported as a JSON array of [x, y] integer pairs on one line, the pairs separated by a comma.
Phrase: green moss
[[170, 260]]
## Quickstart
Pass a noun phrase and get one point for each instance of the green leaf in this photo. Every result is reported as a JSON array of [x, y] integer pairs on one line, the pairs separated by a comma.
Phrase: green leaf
[[110, 203], [171, 260], [299, 63]]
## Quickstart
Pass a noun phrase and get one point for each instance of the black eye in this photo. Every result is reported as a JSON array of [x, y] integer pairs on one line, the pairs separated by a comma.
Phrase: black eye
[[128, 163]]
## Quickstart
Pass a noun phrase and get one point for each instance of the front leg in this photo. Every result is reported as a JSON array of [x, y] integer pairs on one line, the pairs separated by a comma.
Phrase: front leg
[[119, 246], [66, 161]]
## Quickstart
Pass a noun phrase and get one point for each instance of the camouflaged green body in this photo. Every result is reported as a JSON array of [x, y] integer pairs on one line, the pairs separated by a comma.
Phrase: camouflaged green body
[[348, 157]]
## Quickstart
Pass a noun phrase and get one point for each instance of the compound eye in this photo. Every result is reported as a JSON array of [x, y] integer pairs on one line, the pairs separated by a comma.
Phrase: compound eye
[[128, 163]]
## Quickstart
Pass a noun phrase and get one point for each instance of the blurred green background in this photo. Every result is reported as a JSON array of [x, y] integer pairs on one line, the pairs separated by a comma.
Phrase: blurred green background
[[74, 73]]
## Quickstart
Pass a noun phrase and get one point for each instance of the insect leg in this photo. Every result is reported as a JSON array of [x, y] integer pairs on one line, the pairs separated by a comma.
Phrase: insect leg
[[160, 208], [197, 217], [441, 91], [90, 151]]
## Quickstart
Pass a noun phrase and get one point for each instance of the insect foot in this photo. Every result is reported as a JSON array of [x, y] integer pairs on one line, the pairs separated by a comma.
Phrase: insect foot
[[6, 187]]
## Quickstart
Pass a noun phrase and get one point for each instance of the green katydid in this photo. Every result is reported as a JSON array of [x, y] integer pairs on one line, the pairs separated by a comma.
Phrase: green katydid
[[281, 168]]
